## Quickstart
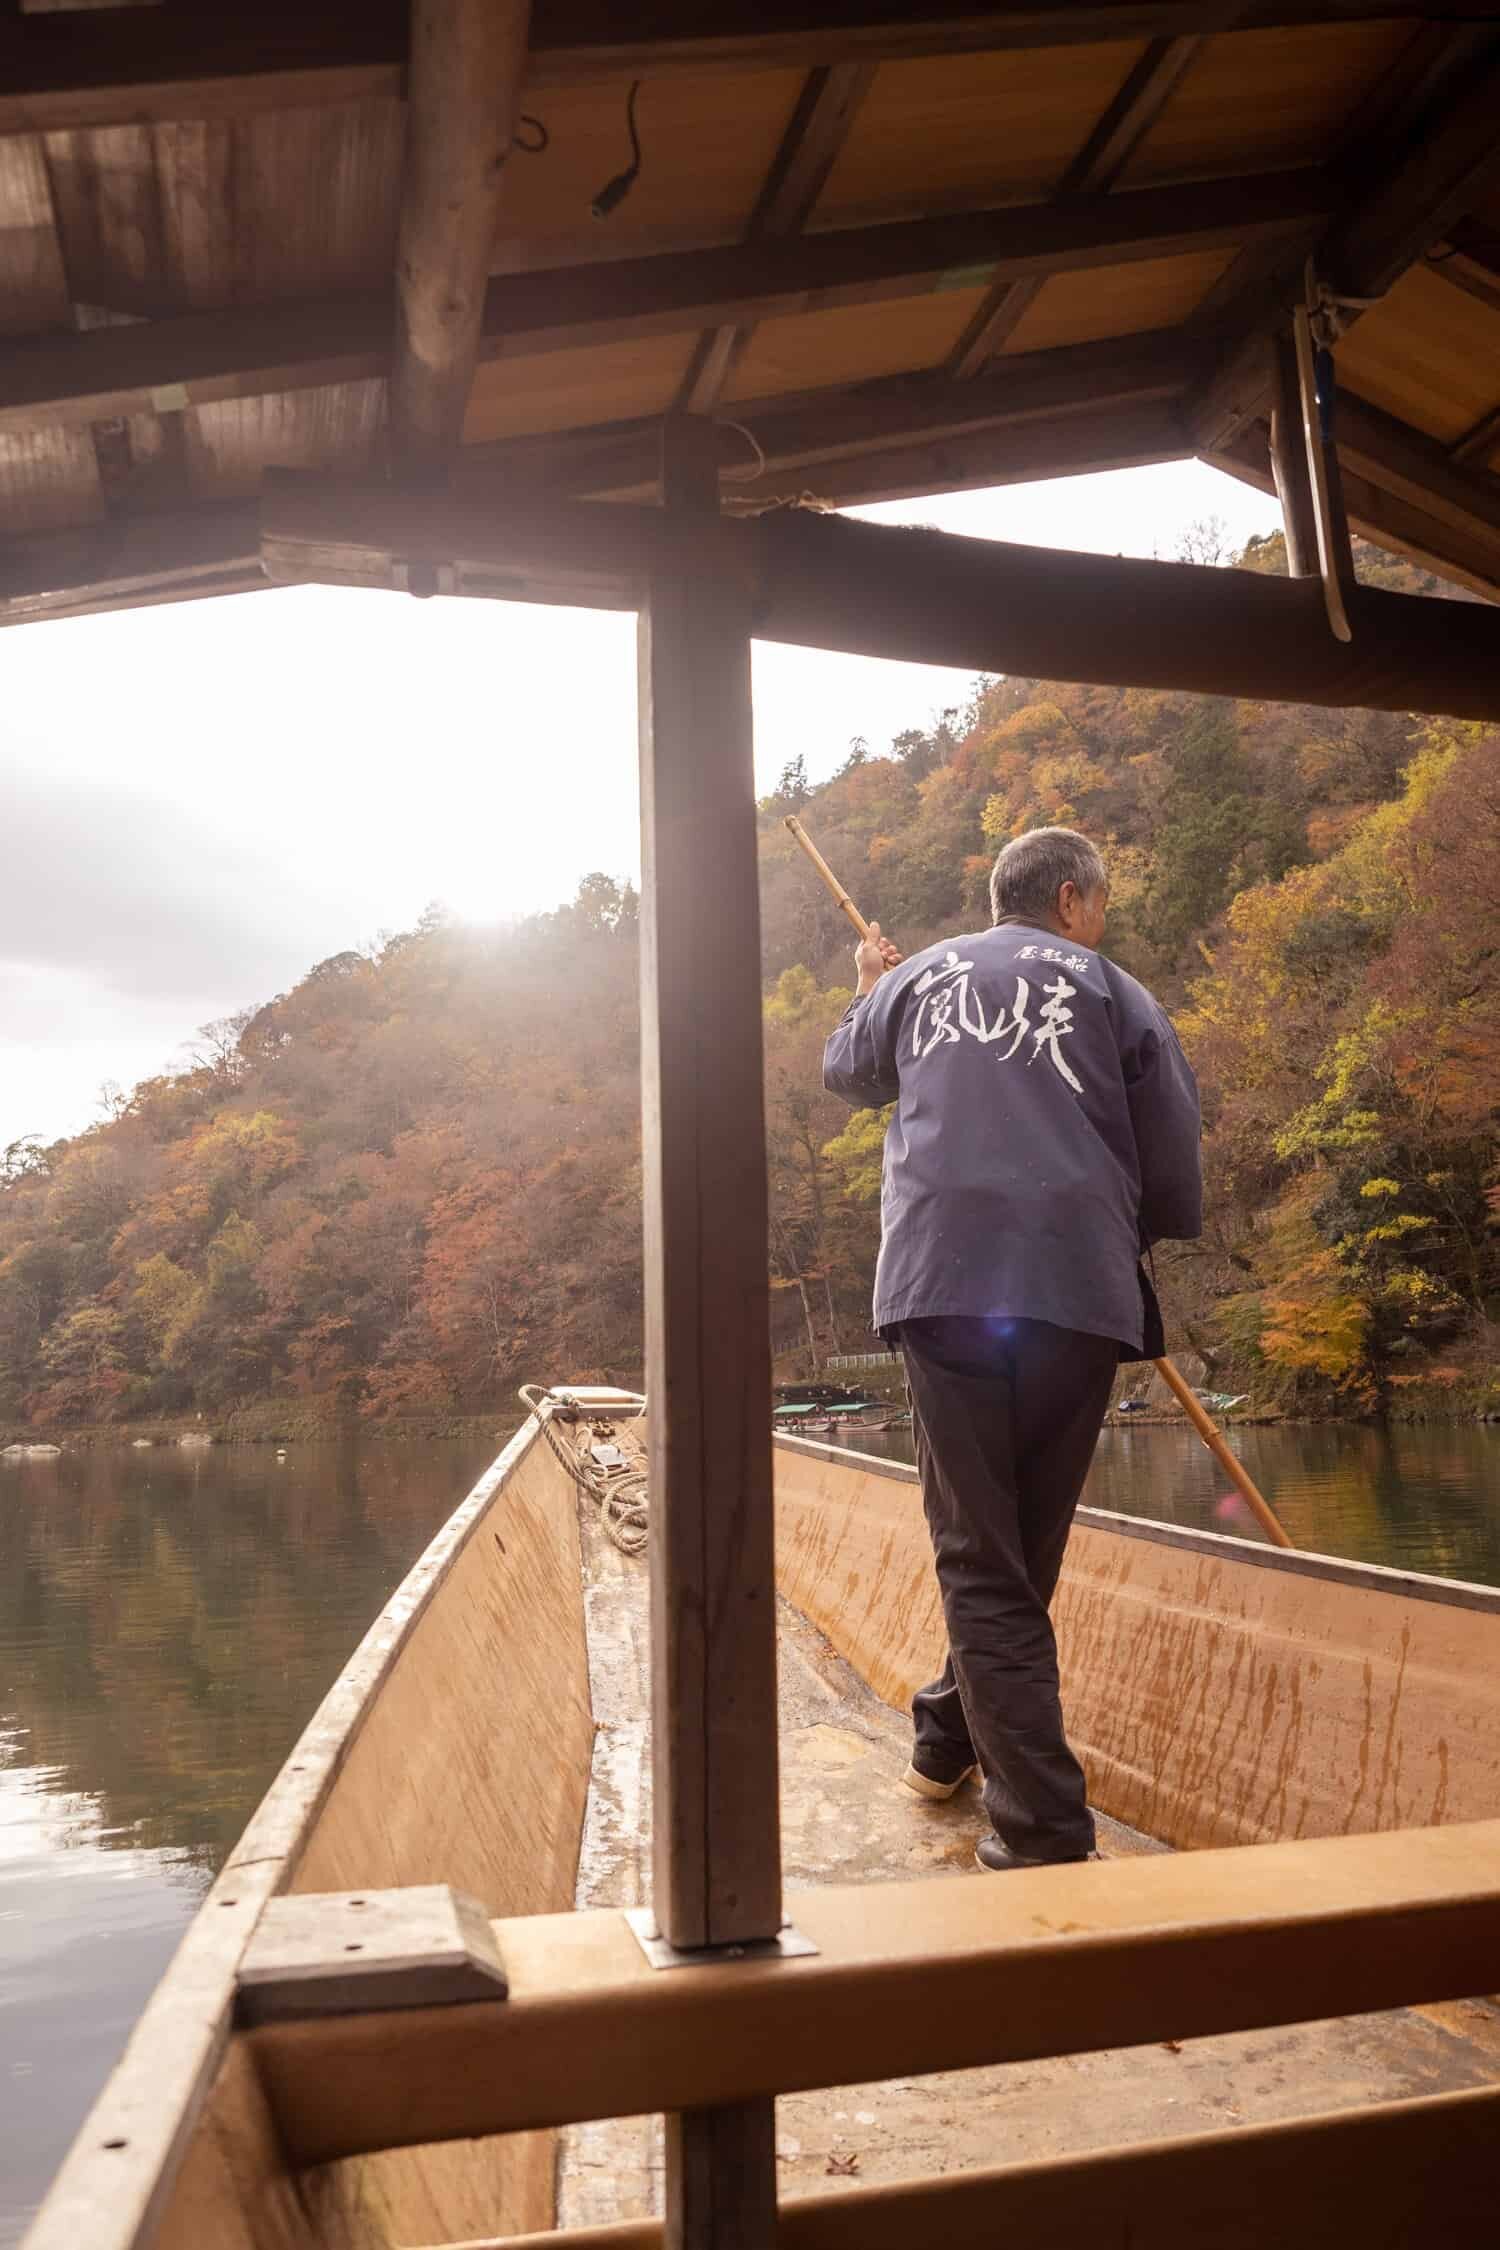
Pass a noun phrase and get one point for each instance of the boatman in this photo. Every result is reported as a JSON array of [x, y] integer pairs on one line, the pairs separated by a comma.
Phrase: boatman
[[1045, 1134]]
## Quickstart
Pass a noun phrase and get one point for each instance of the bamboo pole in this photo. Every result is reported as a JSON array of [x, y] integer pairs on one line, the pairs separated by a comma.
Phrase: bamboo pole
[[1265, 1515]]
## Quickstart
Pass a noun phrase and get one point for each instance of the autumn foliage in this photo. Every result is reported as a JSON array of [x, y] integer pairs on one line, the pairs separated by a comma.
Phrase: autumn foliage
[[414, 1181]]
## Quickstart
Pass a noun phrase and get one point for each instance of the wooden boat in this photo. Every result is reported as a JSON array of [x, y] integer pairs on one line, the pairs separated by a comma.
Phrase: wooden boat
[[341, 2056], [889, 250]]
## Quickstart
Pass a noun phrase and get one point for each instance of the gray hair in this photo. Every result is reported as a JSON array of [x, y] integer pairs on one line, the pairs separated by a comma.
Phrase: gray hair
[[1033, 868]]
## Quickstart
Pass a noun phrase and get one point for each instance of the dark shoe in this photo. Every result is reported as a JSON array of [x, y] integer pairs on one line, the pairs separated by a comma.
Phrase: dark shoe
[[999, 1859], [922, 1781]]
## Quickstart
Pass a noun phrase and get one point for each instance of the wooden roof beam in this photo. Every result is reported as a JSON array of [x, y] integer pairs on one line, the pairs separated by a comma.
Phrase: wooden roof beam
[[1468, 560], [1477, 444], [78, 72], [468, 59], [213, 548], [825, 115], [1452, 163], [1415, 468], [1129, 118], [206, 356], [1450, 153], [1136, 436], [927, 597], [1055, 413]]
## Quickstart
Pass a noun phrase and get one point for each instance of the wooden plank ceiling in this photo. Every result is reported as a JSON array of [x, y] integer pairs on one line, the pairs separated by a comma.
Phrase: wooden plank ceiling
[[891, 251]]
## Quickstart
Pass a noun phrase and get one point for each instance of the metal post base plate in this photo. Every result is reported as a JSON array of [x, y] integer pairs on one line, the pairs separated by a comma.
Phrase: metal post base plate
[[787, 1944]]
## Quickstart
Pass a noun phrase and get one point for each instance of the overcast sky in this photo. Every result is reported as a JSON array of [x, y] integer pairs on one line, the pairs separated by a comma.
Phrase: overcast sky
[[199, 801]]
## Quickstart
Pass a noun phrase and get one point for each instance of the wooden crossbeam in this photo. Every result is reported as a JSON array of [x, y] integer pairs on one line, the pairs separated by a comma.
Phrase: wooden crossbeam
[[1073, 411], [1419, 2173], [1134, 436], [78, 72], [1058, 396], [908, 1978], [824, 116], [1148, 87], [468, 58], [928, 597], [201, 357]]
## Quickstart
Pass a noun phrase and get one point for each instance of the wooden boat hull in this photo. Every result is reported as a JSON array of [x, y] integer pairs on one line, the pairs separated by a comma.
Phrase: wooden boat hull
[[1221, 1692], [454, 1748], [1218, 1691]]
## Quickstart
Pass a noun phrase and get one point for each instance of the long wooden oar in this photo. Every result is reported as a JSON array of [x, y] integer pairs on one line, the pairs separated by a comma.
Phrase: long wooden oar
[[1176, 1382]]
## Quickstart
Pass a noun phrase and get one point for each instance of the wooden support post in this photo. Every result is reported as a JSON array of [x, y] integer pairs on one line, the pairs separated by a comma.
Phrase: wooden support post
[[716, 1870], [468, 58], [1289, 466]]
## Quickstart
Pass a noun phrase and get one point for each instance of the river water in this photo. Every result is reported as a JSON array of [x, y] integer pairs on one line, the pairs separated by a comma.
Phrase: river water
[[170, 1618]]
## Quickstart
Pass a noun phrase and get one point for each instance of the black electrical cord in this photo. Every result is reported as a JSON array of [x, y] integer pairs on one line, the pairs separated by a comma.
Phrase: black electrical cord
[[614, 191], [541, 138]]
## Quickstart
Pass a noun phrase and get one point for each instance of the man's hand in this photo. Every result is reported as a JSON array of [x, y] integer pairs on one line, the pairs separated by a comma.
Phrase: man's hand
[[872, 957]]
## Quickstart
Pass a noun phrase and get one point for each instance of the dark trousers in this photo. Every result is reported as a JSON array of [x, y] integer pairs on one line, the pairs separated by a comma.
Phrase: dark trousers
[[1005, 1414]]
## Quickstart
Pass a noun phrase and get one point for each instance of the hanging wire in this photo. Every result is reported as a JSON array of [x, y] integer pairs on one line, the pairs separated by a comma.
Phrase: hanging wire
[[540, 137], [750, 470], [614, 192]]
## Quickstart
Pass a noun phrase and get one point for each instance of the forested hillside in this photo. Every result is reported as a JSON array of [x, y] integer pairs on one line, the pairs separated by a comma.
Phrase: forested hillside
[[413, 1181]]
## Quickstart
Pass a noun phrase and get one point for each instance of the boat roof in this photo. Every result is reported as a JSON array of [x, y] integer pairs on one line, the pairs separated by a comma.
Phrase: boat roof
[[891, 250]]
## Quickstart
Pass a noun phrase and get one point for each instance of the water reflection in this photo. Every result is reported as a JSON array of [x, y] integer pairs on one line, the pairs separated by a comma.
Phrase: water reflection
[[1417, 1496], [168, 1620]]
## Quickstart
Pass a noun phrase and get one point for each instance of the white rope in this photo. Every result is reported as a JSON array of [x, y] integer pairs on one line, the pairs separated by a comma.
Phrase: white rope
[[607, 1464]]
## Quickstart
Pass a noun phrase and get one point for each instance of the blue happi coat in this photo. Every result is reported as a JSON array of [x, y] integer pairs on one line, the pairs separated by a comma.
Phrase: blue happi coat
[[1045, 1132]]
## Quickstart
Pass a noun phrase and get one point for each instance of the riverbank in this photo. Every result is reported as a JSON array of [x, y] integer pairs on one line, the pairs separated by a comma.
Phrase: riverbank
[[261, 1425]]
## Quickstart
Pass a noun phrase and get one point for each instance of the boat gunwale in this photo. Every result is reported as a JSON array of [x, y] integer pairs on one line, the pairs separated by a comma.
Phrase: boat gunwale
[[113, 2184], [1219, 1546]]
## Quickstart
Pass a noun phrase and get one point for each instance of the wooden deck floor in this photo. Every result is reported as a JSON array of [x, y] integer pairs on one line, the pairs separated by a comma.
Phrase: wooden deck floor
[[846, 1819]]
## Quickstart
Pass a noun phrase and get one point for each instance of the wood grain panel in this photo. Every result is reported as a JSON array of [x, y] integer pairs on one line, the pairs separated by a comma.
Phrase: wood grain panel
[[1077, 308], [109, 213], [561, 390], [336, 425], [292, 203], [171, 217], [49, 479], [1255, 100], [1214, 1697], [1428, 354], [707, 145], [951, 133], [33, 285], [854, 343]]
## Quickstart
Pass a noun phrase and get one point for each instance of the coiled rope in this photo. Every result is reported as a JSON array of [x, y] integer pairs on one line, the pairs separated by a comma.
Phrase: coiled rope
[[606, 1462]]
